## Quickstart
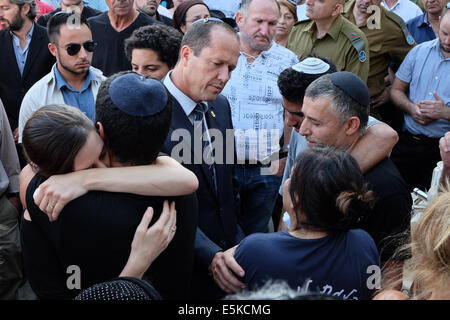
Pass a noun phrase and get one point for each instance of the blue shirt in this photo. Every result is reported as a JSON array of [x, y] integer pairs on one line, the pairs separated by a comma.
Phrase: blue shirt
[[22, 54], [336, 264], [83, 99], [421, 29], [427, 71]]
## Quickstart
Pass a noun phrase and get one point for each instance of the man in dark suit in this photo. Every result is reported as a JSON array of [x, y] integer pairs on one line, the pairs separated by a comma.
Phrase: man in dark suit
[[203, 68], [24, 57]]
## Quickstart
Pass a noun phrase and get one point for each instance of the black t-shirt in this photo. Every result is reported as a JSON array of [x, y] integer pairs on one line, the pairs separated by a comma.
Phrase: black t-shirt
[[94, 233], [392, 212], [87, 12], [109, 56]]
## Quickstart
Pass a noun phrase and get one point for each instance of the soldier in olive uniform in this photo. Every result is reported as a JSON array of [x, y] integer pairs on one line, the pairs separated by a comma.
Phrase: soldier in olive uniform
[[389, 40], [329, 34]]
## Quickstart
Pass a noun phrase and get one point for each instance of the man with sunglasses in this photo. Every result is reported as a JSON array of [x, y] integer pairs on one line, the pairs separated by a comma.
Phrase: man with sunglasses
[[72, 81]]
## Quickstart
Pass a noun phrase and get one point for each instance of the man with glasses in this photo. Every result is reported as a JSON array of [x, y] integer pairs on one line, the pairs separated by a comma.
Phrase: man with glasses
[[72, 80]]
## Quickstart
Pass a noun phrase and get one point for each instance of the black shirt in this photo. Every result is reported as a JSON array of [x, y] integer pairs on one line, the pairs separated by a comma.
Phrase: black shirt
[[162, 18], [94, 232], [109, 56], [392, 212], [87, 12]]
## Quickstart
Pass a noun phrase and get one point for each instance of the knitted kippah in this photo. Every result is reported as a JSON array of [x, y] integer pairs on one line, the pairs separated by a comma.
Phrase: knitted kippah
[[137, 95], [312, 66]]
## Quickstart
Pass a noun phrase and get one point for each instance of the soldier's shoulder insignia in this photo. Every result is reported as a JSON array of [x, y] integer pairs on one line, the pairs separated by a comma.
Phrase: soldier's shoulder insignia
[[362, 56], [402, 25]]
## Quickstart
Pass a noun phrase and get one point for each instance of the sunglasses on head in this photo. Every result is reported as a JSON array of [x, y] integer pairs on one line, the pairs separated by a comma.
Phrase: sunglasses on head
[[73, 48]]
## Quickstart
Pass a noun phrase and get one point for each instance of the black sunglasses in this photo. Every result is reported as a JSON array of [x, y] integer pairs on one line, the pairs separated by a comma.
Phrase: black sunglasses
[[73, 48]]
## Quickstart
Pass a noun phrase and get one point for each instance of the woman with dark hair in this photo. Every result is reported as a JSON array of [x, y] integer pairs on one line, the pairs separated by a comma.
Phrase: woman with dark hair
[[325, 198], [188, 12]]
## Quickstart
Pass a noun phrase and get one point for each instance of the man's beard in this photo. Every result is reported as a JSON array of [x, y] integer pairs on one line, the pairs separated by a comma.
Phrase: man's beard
[[69, 69], [16, 24]]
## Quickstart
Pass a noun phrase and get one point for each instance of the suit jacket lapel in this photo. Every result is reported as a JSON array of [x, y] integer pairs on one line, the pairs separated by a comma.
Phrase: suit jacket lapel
[[36, 45], [9, 47]]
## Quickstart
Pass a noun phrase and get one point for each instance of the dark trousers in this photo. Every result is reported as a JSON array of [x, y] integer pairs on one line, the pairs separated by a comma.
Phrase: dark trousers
[[415, 157]]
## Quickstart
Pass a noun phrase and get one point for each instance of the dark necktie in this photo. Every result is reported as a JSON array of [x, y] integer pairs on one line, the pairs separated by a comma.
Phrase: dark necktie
[[199, 114]]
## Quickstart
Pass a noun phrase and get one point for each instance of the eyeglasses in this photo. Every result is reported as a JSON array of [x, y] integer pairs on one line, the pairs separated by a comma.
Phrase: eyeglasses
[[206, 20], [447, 5], [73, 48]]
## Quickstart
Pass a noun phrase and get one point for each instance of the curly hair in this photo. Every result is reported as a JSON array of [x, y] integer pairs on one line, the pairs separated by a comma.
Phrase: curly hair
[[162, 39], [293, 84]]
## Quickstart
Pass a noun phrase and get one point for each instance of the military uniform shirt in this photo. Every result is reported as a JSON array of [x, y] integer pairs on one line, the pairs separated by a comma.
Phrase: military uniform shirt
[[391, 42], [344, 44]]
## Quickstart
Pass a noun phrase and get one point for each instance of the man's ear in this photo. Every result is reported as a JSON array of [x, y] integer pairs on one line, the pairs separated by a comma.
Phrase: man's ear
[[25, 8], [52, 48], [352, 126], [101, 131], [239, 18], [185, 54], [338, 9]]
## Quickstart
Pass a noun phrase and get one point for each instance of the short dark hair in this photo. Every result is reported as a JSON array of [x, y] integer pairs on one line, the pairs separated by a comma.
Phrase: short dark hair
[[343, 105], [134, 140], [53, 136], [328, 190], [293, 84], [34, 8], [198, 35], [162, 39], [56, 21]]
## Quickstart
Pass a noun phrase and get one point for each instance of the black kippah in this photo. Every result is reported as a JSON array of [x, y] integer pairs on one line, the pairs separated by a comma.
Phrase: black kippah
[[352, 85], [137, 95]]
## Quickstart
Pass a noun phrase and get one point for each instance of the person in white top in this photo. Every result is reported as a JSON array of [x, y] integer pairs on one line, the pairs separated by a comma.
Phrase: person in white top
[[256, 109], [405, 9]]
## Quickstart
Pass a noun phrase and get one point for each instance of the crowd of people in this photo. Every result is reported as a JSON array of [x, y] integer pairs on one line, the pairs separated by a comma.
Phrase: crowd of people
[[224, 149]]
